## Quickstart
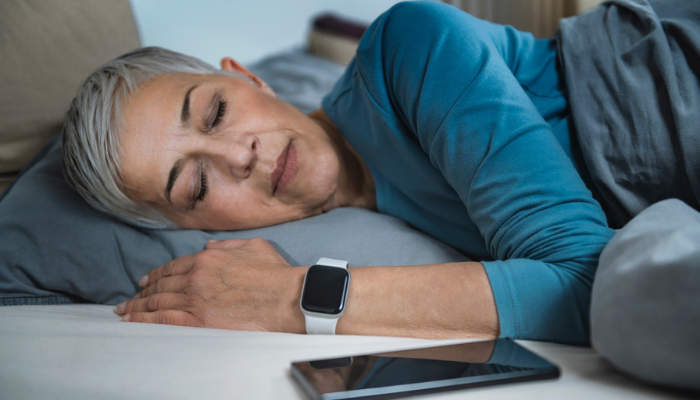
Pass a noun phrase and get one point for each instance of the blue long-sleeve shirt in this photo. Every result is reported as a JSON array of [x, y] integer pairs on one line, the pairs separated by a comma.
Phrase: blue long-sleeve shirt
[[443, 108]]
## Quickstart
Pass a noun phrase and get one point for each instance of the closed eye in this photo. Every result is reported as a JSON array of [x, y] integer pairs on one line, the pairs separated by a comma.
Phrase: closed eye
[[219, 114], [202, 186]]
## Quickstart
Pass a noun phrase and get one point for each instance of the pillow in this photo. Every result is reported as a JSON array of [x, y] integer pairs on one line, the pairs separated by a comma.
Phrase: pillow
[[55, 243], [48, 48], [57, 249], [645, 314]]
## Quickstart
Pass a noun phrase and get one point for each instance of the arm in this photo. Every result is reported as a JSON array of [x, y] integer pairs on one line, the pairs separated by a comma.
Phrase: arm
[[444, 77], [426, 301], [246, 285]]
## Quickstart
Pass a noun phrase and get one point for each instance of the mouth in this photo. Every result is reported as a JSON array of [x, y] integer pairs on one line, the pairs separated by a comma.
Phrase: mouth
[[285, 169]]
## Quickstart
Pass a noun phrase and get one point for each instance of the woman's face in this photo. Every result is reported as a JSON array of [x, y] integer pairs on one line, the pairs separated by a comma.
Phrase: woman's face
[[221, 153]]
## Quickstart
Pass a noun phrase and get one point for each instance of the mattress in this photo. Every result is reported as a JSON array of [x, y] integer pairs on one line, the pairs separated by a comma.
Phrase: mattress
[[86, 352]]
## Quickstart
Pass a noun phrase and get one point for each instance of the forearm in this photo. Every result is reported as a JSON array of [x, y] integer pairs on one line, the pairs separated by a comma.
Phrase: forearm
[[430, 301]]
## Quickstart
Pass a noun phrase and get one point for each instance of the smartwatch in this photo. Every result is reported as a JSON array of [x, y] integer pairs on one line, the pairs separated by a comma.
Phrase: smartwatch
[[324, 295]]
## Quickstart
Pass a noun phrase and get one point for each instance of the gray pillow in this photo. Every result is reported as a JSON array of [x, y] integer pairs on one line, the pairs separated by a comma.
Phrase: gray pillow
[[56, 249], [645, 311]]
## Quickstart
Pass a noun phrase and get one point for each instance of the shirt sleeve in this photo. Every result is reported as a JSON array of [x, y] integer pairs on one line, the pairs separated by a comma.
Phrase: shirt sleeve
[[452, 87]]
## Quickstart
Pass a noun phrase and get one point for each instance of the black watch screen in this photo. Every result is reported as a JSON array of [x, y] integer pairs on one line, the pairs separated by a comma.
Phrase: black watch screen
[[325, 289]]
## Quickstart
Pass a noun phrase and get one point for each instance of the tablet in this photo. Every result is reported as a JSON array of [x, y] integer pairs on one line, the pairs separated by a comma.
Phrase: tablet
[[421, 371]]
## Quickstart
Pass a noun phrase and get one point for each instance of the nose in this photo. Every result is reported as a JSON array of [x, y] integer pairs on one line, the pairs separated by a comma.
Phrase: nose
[[239, 155]]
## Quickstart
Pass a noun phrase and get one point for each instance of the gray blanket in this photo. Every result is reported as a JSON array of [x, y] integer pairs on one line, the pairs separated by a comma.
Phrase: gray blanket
[[645, 317], [632, 70]]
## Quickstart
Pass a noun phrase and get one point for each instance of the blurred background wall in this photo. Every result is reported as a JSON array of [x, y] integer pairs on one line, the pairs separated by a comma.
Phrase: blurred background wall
[[248, 30], [243, 29]]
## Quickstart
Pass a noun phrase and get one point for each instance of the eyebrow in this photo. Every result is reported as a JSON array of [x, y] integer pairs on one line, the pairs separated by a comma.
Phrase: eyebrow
[[172, 177], [185, 115]]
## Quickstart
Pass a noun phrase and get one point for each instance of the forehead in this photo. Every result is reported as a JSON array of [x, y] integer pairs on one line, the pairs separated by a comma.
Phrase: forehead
[[156, 95], [149, 122]]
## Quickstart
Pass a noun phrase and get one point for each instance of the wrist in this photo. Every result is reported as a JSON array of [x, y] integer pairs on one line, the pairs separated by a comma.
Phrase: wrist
[[324, 295], [294, 318]]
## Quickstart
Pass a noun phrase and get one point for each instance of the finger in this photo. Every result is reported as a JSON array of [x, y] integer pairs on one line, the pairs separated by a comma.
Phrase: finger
[[175, 283], [178, 266], [168, 317], [227, 244], [160, 301]]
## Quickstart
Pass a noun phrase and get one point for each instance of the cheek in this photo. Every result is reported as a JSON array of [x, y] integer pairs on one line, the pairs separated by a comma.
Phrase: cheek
[[327, 170], [240, 207], [323, 176], [229, 202]]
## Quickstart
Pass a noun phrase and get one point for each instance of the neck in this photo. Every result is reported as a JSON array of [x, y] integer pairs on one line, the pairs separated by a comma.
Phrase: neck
[[355, 182]]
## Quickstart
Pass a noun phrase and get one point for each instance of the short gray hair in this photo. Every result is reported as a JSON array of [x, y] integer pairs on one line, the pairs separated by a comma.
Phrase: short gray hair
[[91, 149]]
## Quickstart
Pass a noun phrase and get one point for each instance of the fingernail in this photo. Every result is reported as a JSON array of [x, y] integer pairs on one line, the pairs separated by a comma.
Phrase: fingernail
[[121, 307], [143, 281], [136, 296], [126, 318], [212, 241]]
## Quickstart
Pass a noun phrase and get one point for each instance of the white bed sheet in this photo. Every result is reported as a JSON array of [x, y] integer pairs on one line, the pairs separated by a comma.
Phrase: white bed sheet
[[86, 352]]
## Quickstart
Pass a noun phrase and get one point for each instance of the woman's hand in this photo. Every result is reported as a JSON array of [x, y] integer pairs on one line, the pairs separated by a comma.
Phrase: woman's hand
[[241, 284]]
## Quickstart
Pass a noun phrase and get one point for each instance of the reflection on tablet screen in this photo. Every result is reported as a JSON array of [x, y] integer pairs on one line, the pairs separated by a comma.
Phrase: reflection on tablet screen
[[422, 370]]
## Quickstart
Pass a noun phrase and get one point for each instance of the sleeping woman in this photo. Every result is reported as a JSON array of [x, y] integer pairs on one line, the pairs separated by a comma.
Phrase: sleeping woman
[[460, 127]]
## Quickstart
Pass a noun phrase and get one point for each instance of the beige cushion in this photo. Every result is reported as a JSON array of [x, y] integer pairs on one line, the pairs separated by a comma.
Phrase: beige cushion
[[47, 48], [334, 47]]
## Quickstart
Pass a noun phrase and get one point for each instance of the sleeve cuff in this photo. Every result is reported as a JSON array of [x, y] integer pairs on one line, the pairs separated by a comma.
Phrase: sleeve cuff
[[507, 306]]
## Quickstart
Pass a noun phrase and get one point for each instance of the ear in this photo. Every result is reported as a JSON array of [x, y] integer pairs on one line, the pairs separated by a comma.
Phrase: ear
[[229, 64]]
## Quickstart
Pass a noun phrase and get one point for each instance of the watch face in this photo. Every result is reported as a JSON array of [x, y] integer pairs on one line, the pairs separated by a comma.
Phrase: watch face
[[325, 289]]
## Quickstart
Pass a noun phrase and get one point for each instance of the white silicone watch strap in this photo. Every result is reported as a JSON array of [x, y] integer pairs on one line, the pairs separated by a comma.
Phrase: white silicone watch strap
[[316, 325], [332, 262], [320, 325]]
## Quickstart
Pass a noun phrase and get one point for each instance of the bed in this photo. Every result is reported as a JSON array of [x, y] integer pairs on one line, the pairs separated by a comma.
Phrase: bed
[[63, 266], [84, 351]]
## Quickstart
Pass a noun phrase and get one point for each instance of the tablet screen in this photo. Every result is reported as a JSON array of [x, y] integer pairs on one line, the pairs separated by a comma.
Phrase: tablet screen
[[421, 371]]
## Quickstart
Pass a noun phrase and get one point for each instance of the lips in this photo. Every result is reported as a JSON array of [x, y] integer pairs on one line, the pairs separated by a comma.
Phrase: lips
[[285, 168]]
